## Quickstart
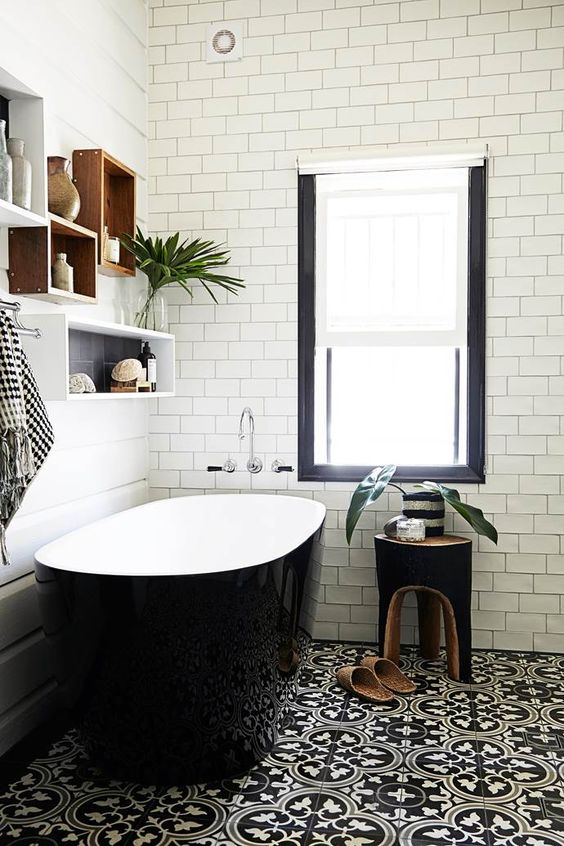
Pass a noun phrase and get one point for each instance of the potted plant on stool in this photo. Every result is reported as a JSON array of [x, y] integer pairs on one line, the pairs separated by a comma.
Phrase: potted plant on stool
[[439, 570], [428, 504]]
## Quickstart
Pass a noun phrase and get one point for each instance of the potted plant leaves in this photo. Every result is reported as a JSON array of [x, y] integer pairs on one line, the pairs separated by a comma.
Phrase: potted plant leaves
[[172, 261], [429, 502]]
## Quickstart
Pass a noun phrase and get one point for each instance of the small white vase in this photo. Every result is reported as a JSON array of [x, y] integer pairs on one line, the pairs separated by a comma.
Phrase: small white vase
[[5, 167], [21, 174], [63, 274]]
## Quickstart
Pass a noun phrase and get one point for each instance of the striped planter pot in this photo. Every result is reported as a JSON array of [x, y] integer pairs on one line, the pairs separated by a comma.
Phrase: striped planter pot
[[429, 507]]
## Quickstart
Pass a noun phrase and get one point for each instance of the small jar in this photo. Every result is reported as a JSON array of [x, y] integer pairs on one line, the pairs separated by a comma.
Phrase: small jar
[[63, 274], [411, 530], [111, 250]]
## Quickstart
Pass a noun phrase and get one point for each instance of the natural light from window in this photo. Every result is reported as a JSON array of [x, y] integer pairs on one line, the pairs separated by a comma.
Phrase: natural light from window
[[391, 317]]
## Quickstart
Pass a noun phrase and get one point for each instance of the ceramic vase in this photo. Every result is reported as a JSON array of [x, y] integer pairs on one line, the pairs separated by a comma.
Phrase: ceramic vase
[[21, 174], [5, 166], [64, 199], [63, 274]]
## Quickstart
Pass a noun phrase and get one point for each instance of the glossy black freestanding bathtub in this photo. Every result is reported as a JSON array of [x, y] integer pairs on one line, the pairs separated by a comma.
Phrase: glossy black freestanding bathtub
[[165, 623]]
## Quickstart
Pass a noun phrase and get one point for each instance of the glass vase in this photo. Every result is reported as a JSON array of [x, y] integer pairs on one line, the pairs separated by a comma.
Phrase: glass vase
[[152, 311]]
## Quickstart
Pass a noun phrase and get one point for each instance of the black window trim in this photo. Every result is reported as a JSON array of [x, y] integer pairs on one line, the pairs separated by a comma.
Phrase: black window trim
[[474, 470]]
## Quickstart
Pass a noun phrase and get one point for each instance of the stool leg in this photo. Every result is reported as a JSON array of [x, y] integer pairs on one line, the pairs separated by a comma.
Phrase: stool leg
[[429, 616], [452, 642], [391, 646], [461, 608]]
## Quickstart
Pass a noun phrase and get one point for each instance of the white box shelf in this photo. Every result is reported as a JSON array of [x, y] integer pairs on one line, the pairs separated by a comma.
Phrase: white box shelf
[[49, 356], [26, 121]]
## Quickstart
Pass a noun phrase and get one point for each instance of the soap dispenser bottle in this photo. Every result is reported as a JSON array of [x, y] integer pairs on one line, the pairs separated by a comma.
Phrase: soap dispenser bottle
[[149, 362]]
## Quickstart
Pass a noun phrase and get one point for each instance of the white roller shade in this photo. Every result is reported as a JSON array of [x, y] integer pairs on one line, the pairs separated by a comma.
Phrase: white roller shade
[[391, 258], [470, 155]]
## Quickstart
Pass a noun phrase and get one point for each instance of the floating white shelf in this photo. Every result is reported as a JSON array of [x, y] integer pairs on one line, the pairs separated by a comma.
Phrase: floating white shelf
[[103, 395], [49, 355], [15, 217]]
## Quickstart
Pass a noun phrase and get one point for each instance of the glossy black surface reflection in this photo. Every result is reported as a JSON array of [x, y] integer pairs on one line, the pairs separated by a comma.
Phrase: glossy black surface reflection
[[179, 678]]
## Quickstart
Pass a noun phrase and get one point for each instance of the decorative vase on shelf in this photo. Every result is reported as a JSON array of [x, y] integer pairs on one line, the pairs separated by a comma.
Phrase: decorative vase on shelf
[[21, 174], [64, 199], [152, 311], [63, 274], [5, 167]]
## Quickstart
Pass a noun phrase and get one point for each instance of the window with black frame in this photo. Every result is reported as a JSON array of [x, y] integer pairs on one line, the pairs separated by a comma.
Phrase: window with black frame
[[391, 319]]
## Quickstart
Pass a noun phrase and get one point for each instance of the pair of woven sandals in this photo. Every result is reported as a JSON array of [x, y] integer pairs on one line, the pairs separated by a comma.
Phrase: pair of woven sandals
[[376, 680]]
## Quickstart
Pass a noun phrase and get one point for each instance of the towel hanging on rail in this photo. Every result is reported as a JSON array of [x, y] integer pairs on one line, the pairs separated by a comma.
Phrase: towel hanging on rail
[[26, 435]]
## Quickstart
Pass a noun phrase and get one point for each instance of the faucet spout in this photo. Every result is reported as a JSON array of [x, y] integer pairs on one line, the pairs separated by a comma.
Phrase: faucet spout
[[254, 464], [247, 414]]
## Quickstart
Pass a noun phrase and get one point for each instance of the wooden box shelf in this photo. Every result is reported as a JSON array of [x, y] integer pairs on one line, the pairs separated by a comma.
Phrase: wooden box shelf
[[107, 198], [32, 252]]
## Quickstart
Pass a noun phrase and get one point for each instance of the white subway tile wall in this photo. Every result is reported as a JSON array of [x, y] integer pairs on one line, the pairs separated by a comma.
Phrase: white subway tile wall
[[319, 74]]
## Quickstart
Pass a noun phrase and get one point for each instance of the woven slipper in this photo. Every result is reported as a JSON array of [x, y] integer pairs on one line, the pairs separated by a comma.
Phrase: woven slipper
[[363, 682], [389, 674], [288, 657]]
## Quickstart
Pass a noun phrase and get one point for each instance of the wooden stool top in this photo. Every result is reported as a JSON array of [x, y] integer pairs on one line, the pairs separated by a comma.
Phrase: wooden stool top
[[439, 540]]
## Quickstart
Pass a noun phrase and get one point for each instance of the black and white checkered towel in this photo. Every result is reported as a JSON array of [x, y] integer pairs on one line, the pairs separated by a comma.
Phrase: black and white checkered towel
[[26, 435]]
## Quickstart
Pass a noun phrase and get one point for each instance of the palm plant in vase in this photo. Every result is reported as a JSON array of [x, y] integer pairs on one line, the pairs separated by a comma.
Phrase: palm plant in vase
[[174, 262]]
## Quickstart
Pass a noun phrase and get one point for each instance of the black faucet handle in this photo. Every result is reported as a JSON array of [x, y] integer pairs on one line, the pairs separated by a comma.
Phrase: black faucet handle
[[279, 467]]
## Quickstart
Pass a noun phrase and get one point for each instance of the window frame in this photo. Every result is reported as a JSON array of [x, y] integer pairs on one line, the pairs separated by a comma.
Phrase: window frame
[[474, 469]]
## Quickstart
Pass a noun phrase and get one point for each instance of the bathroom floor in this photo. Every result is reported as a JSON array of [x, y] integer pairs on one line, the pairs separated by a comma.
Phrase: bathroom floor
[[475, 765]]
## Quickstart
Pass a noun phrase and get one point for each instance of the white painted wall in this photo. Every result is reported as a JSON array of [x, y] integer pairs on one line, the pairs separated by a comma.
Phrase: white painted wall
[[87, 58], [322, 74]]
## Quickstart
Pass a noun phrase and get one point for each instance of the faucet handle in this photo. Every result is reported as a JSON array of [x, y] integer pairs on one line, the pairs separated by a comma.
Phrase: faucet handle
[[278, 466], [229, 466]]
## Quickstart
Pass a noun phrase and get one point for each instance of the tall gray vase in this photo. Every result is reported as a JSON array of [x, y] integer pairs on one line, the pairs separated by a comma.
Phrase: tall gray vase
[[21, 174], [5, 166]]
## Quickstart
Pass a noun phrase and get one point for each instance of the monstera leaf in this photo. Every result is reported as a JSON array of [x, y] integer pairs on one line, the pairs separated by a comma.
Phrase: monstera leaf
[[474, 516], [367, 492]]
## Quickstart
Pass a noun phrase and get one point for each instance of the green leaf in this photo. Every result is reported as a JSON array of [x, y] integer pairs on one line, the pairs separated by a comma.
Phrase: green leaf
[[173, 262], [473, 515], [367, 492]]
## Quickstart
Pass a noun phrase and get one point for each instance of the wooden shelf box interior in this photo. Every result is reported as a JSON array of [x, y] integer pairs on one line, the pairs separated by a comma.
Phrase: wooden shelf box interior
[[22, 110], [32, 253], [80, 345], [107, 198]]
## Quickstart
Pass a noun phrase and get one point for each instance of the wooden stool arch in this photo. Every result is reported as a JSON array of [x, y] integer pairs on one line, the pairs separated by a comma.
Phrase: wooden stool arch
[[439, 571], [429, 604]]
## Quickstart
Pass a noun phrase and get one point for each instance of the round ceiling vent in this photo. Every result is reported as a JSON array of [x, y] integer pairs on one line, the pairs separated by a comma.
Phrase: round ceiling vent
[[225, 42]]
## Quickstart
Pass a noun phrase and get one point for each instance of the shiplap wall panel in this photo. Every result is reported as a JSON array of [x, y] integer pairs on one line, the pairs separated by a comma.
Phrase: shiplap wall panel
[[34, 708], [88, 60], [24, 667], [19, 611]]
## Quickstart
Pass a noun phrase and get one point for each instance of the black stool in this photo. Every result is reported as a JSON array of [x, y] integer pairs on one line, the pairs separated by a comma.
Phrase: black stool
[[439, 570]]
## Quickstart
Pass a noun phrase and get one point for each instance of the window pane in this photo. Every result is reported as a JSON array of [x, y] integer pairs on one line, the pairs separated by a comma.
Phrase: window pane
[[392, 405]]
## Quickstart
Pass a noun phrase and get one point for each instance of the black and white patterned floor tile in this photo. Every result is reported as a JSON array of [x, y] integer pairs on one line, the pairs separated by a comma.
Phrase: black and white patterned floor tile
[[451, 765]]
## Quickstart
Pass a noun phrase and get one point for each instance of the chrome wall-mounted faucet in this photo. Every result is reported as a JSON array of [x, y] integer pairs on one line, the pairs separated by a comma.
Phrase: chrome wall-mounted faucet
[[254, 464]]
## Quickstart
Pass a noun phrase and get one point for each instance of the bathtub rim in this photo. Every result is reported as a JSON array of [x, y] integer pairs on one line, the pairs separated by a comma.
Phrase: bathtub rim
[[56, 554]]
